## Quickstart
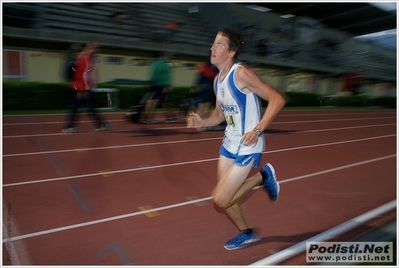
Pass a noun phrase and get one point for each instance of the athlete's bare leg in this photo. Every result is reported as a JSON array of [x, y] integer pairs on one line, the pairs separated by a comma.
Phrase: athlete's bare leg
[[232, 184]]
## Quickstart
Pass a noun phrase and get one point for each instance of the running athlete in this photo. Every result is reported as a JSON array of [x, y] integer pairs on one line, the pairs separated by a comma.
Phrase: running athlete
[[237, 90]]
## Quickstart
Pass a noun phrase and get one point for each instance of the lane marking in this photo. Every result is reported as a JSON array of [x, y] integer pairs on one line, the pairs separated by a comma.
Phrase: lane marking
[[190, 162], [123, 216], [114, 147], [149, 214], [115, 248], [106, 173], [180, 141], [335, 169], [74, 226], [200, 204], [285, 113], [184, 127], [79, 150], [53, 122], [329, 234], [77, 197], [335, 120], [57, 163]]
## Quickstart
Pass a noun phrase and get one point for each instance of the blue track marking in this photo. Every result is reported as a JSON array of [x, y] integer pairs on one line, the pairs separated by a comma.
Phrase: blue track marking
[[78, 198], [55, 161], [57, 164], [114, 247]]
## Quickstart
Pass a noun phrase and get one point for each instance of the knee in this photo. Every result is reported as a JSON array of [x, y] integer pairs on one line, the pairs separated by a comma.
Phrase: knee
[[221, 202]]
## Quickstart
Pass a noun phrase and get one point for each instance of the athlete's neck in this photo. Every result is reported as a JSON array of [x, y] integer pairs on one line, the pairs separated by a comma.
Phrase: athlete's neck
[[225, 69]]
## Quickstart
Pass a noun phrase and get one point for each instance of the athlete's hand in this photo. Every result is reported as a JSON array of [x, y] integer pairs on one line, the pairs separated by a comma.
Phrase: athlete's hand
[[249, 139], [194, 121]]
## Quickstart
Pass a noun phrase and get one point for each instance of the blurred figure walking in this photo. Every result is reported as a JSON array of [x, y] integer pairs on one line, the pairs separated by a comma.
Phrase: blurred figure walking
[[160, 77], [204, 87], [204, 94], [82, 83]]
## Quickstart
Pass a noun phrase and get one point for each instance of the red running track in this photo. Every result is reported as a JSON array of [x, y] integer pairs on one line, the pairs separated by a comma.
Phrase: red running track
[[141, 194]]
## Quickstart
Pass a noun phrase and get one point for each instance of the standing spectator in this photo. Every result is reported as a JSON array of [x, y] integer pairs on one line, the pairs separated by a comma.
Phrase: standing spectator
[[160, 77], [82, 83], [238, 90]]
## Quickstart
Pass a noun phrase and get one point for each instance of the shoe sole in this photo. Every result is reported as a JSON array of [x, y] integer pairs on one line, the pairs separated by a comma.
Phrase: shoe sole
[[243, 245], [274, 197], [102, 129], [69, 131]]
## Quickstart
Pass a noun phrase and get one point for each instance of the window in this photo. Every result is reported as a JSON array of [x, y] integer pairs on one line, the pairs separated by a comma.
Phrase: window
[[114, 60]]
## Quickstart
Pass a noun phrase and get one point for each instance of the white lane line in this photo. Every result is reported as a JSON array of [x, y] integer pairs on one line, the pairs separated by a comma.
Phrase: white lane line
[[335, 169], [329, 234], [179, 204], [188, 162], [333, 120], [52, 123], [182, 141], [286, 113], [184, 127], [298, 114], [107, 219], [129, 130], [112, 147], [110, 172]]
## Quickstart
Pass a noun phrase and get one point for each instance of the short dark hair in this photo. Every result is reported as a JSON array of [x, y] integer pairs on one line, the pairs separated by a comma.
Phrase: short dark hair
[[235, 40]]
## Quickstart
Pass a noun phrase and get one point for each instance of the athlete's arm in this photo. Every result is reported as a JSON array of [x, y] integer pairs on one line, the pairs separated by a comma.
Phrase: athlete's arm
[[247, 80]]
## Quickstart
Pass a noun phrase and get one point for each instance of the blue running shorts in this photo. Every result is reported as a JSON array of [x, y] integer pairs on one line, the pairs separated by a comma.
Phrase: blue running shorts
[[241, 160]]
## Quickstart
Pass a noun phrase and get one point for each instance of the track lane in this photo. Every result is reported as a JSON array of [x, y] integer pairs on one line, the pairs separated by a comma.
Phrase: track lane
[[112, 196]]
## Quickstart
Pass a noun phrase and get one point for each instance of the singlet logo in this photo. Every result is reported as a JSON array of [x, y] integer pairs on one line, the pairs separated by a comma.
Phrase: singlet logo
[[230, 109]]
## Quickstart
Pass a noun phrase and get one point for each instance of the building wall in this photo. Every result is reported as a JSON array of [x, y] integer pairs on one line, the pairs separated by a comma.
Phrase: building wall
[[49, 67], [44, 66]]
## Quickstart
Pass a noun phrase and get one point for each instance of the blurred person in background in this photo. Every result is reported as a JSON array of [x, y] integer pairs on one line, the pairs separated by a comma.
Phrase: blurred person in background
[[238, 89], [118, 17], [160, 78], [204, 93], [206, 74], [84, 77], [173, 29]]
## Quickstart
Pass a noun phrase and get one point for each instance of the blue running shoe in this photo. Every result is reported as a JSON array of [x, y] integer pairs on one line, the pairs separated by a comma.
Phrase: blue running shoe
[[241, 240], [270, 181]]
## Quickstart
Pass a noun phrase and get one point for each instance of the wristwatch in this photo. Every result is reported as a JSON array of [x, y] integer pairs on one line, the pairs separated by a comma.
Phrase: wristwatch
[[257, 131]]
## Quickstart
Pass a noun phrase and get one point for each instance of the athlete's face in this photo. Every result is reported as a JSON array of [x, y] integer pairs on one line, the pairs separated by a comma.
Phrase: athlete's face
[[220, 51]]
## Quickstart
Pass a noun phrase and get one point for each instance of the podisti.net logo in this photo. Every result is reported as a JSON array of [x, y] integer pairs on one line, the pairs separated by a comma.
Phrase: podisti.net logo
[[349, 252]]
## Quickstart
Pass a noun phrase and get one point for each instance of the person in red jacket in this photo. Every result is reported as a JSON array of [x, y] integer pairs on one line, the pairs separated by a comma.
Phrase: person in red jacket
[[82, 83], [206, 75]]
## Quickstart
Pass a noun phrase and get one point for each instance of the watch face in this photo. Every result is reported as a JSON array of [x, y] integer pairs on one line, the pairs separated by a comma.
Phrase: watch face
[[258, 132]]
